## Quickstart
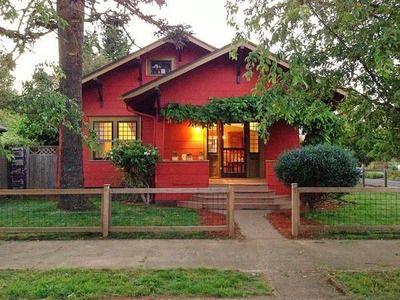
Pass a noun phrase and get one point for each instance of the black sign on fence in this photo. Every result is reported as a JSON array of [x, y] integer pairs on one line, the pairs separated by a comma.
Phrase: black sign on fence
[[18, 169]]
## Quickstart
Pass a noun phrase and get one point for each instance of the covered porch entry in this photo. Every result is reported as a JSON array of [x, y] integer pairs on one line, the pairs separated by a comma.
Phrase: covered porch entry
[[235, 151]]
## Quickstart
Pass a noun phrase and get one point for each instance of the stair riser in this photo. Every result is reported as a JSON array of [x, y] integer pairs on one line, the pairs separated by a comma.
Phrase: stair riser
[[255, 200], [189, 204]]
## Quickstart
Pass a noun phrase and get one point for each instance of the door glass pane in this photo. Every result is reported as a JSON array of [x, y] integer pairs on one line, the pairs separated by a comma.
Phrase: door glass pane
[[233, 135], [233, 152]]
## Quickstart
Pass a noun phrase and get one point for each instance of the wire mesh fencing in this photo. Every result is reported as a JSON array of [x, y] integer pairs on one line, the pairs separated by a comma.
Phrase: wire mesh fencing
[[331, 209], [170, 209], [108, 210], [50, 210]]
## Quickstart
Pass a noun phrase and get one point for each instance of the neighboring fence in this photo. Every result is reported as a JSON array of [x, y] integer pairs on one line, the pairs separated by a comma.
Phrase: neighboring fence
[[117, 210], [3, 173], [42, 168], [30, 168], [358, 209]]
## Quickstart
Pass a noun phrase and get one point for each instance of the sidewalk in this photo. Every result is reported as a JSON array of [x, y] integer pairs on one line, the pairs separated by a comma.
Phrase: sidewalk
[[297, 269]]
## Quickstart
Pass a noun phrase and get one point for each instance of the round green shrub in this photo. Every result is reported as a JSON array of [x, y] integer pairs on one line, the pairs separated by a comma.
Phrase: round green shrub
[[318, 165], [137, 160]]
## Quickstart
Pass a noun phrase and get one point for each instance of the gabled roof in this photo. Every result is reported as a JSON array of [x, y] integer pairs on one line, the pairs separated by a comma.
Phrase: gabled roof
[[197, 63], [134, 55]]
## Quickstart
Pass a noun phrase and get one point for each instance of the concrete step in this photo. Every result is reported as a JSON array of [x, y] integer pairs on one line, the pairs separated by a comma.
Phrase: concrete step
[[222, 206], [269, 199], [237, 196]]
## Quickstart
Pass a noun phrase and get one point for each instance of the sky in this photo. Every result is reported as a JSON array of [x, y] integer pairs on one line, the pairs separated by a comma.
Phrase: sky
[[207, 18]]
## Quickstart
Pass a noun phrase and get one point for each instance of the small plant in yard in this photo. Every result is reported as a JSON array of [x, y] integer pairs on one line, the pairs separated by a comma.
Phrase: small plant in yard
[[318, 165], [138, 161]]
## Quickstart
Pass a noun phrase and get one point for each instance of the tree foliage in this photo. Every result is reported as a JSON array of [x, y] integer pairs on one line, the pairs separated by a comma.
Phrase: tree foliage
[[347, 44]]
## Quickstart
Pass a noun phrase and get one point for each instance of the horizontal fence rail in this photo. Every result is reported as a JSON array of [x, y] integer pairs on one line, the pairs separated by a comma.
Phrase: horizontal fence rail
[[119, 210], [345, 209]]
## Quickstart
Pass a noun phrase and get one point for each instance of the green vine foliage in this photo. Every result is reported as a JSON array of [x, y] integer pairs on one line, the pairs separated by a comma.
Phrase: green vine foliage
[[316, 120]]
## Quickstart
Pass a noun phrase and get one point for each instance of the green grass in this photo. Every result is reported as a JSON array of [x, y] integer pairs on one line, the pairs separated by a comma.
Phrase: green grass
[[94, 284], [28, 212], [359, 235], [374, 174], [361, 209], [371, 285], [19, 212]]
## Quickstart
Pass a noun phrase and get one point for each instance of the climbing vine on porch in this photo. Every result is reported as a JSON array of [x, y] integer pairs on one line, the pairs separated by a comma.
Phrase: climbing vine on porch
[[317, 121]]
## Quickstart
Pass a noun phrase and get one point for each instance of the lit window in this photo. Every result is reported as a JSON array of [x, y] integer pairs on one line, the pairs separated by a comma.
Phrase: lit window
[[111, 129], [160, 67], [253, 137], [127, 131], [104, 133], [212, 139]]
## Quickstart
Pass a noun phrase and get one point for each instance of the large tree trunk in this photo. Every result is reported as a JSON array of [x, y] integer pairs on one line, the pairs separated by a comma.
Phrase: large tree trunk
[[70, 41]]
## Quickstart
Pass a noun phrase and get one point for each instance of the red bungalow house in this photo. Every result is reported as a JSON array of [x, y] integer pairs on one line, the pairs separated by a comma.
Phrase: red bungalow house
[[121, 100]]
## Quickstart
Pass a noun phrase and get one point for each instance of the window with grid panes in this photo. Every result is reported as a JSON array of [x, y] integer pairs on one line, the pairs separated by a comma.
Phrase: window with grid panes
[[212, 138], [104, 133], [126, 130], [107, 131], [253, 140]]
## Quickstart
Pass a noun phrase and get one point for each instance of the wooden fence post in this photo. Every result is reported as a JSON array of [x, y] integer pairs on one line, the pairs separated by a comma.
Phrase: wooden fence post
[[385, 173], [363, 175], [295, 210], [231, 211], [105, 211]]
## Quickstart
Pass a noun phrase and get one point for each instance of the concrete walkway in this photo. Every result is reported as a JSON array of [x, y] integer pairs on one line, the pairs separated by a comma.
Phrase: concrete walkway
[[297, 269]]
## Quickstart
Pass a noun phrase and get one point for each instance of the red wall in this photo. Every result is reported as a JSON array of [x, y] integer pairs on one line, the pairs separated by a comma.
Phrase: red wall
[[214, 79], [182, 174], [282, 138], [116, 83]]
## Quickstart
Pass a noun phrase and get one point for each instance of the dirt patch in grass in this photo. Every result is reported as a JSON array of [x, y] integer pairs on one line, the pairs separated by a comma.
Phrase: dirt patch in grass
[[281, 220], [208, 217]]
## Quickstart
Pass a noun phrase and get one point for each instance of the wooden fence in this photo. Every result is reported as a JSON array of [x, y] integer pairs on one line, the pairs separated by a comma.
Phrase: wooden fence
[[298, 228], [3, 173], [106, 215], [42, 168], [31, 168]]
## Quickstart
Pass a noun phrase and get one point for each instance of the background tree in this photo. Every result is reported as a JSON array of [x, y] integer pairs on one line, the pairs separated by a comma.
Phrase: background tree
[[24, 25], [347, 44]]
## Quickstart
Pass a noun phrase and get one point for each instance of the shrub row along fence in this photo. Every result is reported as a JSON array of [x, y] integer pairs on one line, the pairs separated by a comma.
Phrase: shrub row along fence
[[345, 209], [109, 210]]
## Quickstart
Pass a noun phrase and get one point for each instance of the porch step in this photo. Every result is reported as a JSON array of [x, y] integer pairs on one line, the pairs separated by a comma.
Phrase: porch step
[[247, 196], [222, 206]]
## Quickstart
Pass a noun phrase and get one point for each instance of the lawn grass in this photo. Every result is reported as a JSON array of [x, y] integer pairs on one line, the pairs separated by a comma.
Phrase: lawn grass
[[361, 209], [371, 285], [44, 213], [20, 212], [94, 284]]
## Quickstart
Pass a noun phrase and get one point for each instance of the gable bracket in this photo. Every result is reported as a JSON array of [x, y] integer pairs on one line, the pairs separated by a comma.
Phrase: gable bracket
[[239, 63], [140, 70], [158, 100], [99, 86]]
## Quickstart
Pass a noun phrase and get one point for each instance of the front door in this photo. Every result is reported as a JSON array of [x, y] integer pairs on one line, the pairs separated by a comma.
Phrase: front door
[[233, 150]]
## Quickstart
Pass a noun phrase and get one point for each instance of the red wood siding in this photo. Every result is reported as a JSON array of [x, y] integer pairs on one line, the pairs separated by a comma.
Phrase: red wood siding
[[116, 83], [282, 138], [182, 174]]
